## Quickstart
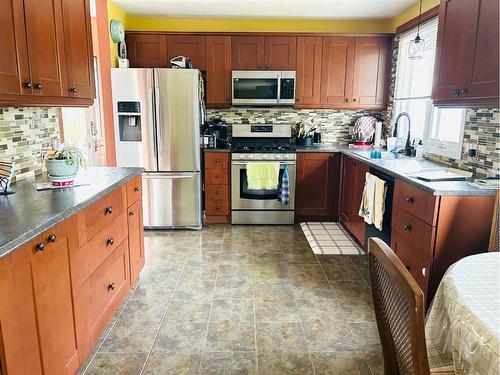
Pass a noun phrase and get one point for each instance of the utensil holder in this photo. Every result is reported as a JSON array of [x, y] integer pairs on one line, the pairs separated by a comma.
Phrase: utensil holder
[[5, 177], [307, 141]]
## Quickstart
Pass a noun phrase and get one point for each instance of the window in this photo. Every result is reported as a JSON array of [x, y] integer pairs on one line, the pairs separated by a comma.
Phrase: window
[[440, 129]]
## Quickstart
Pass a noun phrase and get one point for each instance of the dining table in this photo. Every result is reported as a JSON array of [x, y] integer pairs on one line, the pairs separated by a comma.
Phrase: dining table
[[463, 323]]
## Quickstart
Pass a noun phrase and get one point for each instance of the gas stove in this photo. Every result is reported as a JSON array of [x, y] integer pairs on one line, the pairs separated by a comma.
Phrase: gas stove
[[262, 138], [262, 147]]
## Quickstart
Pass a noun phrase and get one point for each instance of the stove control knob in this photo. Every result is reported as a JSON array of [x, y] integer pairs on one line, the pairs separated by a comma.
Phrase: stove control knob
[[277, 156]]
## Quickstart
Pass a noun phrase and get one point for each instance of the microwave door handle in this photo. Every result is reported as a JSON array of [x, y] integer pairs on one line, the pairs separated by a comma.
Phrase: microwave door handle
[[279, 89]]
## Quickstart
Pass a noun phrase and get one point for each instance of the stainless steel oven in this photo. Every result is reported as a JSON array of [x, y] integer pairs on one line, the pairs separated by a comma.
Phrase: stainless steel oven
[[257, 87], [250, 206]]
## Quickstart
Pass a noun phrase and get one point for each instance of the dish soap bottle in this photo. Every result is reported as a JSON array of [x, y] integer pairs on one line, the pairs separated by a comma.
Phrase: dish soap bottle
[[420, 150]]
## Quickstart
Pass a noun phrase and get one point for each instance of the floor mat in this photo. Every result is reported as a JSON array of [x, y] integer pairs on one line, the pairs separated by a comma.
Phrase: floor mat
[[329, 238]]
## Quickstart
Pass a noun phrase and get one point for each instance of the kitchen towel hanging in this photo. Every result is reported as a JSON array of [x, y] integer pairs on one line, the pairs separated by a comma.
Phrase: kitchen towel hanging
[[284, 194], [373, 201], [263, 176]]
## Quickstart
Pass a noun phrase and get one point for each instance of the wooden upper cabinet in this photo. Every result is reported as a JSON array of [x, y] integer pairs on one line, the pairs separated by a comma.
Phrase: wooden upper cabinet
[[467, 32], [14, 69], [337, 70], [309, 54], [248, 52], [318, 177], [192, 46], [218, 70], [45, 46], [78, 46], [53, 298], [147, 50], [280, 52], [371, 71]]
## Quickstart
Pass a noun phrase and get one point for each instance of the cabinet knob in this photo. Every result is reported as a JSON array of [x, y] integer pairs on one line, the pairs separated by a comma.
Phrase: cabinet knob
[[28, 85], [108, 210], [217, 207], [217, 192], [297, 100], [354, 100], [347, 100], [268, 67], [217, 160], [40, 246], [111, 286], [463, 92], [136, 189], [73, 89], [407, 227], [217, 176], [110, 241], [409, 199], [51, 238], [259, 66], [456, 93], [131, 213], [424, 271], [38, 86]]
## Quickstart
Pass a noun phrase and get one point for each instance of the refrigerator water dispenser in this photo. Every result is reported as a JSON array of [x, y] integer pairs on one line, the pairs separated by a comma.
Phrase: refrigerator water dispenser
[[129, 121]]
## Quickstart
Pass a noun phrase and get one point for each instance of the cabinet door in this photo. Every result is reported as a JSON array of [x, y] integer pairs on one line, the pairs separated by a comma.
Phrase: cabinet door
[[78, 48], [357, 222], [14, 68], [308, 70], [481, 68], [371, 72], [337, 70], [347, 190], [53, 298], [192, 46], [317, 185], [45, 46], [19, 349], [135, 240], [248, 52], [147, 50], [281, 52], [218, 70]]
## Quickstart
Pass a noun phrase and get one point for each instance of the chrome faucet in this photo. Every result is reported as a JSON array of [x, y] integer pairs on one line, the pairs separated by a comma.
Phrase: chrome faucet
[[408, 147]]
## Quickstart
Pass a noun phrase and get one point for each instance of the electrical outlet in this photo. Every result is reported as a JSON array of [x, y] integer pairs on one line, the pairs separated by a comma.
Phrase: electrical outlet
[[472, 145]]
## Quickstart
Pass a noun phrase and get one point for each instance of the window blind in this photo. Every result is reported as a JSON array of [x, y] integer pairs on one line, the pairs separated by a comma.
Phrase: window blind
[[414, 77]]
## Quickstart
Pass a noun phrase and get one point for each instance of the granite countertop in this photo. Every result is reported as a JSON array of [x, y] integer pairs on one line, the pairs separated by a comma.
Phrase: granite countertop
[[27, 213]]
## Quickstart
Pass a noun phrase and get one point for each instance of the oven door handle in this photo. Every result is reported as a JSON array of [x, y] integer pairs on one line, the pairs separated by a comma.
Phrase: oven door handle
[[270, 161]]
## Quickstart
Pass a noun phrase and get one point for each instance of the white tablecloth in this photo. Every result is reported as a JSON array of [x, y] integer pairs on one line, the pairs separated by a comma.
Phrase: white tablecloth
[[463, 323]]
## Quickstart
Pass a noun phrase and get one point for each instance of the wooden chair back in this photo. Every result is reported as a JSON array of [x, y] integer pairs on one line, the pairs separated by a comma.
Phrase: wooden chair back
[[495, 226], [399, 309]]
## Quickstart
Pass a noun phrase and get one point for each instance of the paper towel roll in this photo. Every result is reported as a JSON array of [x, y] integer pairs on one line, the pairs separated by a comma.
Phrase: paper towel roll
[[378, 134]]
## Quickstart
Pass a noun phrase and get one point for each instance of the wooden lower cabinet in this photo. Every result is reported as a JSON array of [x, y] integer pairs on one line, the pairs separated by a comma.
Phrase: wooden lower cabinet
[[57, 295], [353, 182], [216, 183], [317, 186]]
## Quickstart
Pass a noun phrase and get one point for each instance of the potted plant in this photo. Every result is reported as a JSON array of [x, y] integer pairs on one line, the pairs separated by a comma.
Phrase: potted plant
[[64, 162]]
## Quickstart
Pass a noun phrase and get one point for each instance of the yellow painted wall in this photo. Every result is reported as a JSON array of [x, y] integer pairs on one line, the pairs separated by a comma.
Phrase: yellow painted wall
[[257, 25], [115, 13], [412, 12]]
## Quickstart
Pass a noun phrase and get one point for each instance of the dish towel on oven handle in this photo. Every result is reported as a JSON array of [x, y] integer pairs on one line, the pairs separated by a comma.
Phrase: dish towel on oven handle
[[284, 191]]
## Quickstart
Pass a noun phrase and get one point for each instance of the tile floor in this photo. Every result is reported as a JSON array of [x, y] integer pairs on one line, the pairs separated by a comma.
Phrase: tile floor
[[242, 300]]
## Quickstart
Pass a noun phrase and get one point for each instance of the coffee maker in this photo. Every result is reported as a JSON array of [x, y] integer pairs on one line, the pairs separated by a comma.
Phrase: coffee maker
[[218, 128]]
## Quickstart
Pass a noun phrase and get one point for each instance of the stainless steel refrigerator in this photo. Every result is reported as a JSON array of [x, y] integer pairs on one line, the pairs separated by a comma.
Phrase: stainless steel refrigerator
[[157, 114]]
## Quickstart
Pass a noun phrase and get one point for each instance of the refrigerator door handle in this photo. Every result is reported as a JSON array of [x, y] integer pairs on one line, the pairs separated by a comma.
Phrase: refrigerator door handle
[[152, 133], [159, 125]]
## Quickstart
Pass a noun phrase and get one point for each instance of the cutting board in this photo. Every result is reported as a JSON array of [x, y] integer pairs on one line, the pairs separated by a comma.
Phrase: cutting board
[[441, 175]]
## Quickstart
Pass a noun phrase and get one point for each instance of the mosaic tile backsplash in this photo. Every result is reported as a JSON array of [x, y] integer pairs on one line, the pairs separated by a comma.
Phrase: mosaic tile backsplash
[[24, 134], [334, 125]]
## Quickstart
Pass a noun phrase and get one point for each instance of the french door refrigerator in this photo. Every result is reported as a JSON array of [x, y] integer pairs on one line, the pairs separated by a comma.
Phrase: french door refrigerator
[[157, 115]]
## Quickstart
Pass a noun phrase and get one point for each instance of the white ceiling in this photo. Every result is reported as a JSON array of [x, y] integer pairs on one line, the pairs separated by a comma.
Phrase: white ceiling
[[286, 9]]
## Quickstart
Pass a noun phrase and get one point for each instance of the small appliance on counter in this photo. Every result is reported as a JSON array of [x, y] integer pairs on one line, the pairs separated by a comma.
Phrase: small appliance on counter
[[215, 132], [364, 131], [181, 62]]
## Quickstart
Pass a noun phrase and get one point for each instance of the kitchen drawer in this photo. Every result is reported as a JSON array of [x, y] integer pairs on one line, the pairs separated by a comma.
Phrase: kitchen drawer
[[107, 288], [217, 207], [413, 258], [95, 217], [218, 160], [413, 230], [216, 176], [104, 243], [217, 192], [134, 190], [420, 203]]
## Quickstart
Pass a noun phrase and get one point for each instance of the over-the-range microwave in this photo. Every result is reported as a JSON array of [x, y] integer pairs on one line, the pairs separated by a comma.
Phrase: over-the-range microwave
[[257, 87]]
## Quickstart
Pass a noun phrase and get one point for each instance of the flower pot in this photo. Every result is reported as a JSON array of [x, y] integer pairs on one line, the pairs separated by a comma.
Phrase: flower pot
[[307, 141], [60, 168]]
